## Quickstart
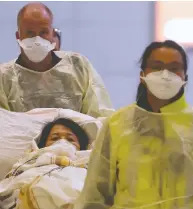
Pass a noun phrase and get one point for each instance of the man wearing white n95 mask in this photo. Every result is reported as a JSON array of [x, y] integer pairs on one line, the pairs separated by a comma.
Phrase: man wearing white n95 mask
[[41, 79]]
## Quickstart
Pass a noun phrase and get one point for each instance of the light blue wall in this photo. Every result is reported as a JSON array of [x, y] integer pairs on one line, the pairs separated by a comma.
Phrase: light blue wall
[[111, 34]]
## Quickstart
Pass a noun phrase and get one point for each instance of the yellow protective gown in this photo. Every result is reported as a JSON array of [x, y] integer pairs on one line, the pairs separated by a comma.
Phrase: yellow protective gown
[[72, 83], [142, 160]]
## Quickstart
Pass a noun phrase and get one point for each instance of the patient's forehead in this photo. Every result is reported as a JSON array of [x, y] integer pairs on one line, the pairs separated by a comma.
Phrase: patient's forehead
[[58, 128]]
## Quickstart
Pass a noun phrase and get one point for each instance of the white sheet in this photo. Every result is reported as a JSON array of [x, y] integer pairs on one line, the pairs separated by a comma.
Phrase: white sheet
[[55, 189], [59, 189]]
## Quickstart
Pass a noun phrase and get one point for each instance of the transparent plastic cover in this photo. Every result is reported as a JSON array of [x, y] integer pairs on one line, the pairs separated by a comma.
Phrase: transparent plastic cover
[[141, 160]]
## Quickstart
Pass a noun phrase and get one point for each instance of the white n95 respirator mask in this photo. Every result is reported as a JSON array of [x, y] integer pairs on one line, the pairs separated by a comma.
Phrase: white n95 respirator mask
[[36, 49], [163, 84], [64, 148]]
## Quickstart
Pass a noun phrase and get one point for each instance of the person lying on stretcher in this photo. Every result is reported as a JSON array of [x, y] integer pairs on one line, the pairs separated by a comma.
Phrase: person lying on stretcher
[[63, 144]]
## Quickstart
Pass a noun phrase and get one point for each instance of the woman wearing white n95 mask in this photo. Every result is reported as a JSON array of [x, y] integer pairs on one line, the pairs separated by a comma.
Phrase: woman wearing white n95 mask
[[143, 154], [65, 138], [163, 75]]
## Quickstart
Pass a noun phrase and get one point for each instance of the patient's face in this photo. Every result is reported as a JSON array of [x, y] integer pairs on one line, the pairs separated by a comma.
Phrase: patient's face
[[61, 132]]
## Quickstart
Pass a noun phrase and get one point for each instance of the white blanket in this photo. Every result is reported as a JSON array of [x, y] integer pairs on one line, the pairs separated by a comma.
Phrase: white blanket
[[56, 189], [57, 186]]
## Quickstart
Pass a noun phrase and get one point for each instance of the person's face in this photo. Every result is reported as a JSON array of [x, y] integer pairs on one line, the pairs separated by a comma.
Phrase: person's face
[[61, 132], [35, 24], [165, 58], [57, 41]]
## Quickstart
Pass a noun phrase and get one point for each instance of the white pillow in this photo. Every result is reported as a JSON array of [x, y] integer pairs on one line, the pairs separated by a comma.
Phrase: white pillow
[[18, 130], [91, 125]]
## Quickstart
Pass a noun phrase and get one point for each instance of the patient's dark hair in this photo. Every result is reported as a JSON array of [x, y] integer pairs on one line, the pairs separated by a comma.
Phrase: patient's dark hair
[[74, 127]]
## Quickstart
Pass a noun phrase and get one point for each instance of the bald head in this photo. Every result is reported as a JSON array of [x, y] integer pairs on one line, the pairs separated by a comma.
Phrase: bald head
[[35, 19], [34, 11]]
